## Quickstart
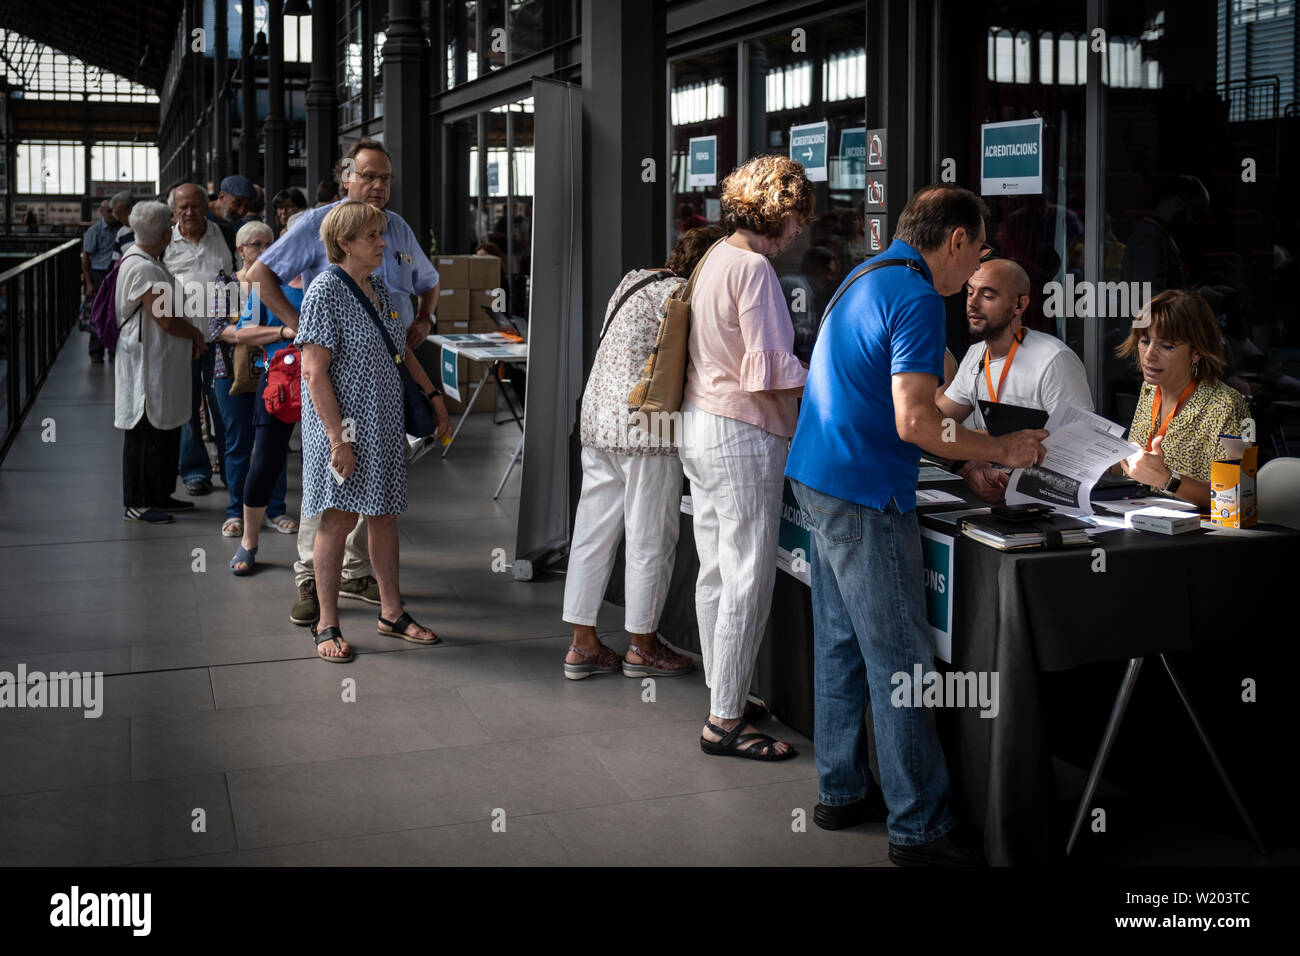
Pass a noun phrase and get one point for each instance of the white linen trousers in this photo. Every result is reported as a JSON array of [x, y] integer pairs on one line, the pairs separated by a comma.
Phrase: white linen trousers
[[737, 474], [637, 494]]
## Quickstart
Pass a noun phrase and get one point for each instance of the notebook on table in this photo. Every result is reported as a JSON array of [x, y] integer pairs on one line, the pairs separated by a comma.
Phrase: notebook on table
[[1055, 531]]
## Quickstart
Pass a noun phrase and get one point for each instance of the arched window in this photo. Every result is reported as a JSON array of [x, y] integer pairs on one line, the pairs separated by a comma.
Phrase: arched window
[[1065, 48], [1046, 58], [1005, 66], [1022, 57]]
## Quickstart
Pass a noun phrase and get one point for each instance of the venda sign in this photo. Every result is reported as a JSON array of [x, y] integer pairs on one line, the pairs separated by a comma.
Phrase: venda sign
[[1011, 158]]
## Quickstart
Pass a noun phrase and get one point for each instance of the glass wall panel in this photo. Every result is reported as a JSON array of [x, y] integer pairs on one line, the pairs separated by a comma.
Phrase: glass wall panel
[[1201, 152], [824, 81]]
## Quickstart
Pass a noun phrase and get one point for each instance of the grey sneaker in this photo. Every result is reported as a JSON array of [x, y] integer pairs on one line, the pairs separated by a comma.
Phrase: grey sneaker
[[306, 610], [361, 589]]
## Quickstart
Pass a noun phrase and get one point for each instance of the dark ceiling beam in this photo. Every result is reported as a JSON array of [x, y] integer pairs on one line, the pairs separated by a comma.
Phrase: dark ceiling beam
[[115, 44]]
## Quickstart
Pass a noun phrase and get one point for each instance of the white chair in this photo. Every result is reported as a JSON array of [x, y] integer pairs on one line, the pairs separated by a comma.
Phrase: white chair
[[1277, 489]]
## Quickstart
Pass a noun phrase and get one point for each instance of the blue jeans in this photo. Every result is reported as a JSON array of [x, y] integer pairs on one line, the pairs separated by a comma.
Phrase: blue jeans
[[194, 463], [869, 624], [237, 418]]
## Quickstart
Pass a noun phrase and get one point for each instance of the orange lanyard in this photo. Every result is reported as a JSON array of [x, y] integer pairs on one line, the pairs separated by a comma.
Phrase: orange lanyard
[[988, 375], [1155, 412]]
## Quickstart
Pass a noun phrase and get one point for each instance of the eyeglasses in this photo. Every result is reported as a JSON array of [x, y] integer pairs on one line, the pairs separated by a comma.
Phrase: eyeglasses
[[254, 244], [385, 178]]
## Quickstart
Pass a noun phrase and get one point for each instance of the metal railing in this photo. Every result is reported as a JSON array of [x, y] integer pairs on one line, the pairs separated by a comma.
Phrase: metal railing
[[39, 300]]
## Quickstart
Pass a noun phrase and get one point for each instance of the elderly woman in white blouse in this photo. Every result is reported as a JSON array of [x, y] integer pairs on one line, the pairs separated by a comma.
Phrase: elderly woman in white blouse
[[151, 369]]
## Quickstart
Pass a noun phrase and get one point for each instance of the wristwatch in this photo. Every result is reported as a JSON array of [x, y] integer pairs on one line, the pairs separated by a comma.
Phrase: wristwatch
[[1175, 479]]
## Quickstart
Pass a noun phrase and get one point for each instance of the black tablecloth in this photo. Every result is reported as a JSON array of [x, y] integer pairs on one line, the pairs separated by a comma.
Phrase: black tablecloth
[[1031, 614]]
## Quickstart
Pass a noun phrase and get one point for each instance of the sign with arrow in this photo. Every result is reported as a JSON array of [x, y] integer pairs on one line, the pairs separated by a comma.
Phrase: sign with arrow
[[808, 146]]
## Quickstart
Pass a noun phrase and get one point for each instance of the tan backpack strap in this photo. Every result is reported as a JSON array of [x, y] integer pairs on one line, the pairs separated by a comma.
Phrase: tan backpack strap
[[684, 294]]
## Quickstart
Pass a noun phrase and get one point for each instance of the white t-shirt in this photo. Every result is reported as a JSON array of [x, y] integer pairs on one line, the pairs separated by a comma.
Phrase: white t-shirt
[[152, 376], [1045, 374]]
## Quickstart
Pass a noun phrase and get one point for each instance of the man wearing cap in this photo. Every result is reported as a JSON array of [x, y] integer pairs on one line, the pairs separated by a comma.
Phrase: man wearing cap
[[365, 175], [231, 205]]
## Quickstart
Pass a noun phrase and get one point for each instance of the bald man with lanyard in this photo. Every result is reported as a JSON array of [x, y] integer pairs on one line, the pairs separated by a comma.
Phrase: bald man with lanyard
[[1007, 363]]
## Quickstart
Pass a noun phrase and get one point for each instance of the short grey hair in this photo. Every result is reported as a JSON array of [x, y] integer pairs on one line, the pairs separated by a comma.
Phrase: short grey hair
[[124, 197], [171, 196], [250, 229], [150, 221], [289, 223]]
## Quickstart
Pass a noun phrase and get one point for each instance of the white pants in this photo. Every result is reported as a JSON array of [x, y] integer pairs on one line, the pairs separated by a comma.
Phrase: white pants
[[639, 494], [737, 474], [356, 550]]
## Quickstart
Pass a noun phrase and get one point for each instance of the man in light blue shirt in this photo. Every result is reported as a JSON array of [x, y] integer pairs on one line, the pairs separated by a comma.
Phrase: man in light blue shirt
[[97, 247], [868, 412], [366, 175]]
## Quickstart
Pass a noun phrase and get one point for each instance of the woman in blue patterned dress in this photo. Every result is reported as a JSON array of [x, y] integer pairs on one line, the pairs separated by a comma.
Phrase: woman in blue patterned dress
[[353, 435]]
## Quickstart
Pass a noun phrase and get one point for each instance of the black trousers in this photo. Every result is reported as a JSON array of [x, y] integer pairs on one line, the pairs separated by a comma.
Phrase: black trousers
[[270, 452], [149, 458]]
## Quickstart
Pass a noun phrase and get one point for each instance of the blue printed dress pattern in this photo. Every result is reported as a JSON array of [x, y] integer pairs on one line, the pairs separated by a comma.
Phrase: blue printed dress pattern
[[368, 387]]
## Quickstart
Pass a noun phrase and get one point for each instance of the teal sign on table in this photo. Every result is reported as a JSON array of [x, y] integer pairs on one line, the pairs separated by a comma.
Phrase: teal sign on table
[[808, 146], [936, 560], [450, 367], [1011, 158], [702, 163], [794, 539]]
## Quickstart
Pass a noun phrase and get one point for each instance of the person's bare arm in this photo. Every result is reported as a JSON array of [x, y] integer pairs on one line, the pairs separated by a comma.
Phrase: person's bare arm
[[426, 385], [919, 421], [260, 334], [950, 409], [154, 303], [420, 328], [85, 273], [267, 284], [315, 372]]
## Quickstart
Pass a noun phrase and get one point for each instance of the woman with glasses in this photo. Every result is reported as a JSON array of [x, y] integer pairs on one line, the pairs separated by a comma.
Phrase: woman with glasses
[[261, 485], [287, 202], [237, 410]]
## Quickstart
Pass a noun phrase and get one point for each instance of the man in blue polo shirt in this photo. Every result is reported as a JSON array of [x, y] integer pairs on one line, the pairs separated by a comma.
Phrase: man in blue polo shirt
[[868, 412], [366, 175]]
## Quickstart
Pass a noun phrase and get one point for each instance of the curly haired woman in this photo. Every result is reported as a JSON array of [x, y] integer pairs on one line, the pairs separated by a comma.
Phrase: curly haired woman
[[739, 414]]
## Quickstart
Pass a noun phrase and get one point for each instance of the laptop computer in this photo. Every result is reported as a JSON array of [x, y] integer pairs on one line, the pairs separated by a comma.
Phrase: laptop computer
[[1001, 418]]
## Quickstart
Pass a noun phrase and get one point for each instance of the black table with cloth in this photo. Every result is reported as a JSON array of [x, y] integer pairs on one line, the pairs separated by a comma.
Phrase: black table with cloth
[[1220, 605]]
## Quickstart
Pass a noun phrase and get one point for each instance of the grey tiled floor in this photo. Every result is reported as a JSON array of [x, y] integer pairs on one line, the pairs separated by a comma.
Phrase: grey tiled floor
[[215, 702], [217, 712]]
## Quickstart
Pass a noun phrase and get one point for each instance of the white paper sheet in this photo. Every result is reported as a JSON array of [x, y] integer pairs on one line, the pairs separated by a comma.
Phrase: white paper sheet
[[933, 496], [1080, 447]]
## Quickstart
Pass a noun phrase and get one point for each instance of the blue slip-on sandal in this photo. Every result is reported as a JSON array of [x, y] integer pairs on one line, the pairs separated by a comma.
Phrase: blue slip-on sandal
[[245, 556]]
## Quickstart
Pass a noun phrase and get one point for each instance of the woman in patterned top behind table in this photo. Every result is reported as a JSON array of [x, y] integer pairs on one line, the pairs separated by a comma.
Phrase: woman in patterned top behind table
[[1185, 406], [739, 412], [353, 434], [631, 484]]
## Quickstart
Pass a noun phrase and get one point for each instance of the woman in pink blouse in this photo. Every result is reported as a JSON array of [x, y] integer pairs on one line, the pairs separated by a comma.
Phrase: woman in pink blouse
[[739, 412]]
